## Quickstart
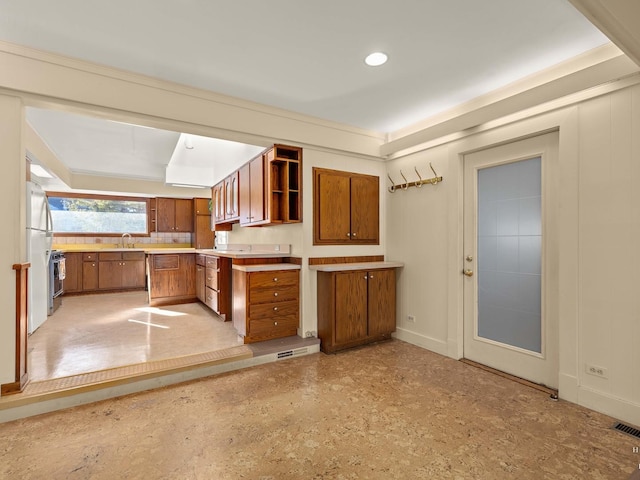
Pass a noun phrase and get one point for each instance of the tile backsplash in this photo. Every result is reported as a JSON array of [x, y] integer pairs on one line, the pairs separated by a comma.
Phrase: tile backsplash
[[154, 238]]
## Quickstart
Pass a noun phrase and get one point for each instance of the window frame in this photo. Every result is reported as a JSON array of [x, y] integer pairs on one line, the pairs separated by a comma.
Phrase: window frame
[[146, 200]]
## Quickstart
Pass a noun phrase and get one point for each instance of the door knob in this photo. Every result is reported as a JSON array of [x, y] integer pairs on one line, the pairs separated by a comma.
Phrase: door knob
[[468, 273]]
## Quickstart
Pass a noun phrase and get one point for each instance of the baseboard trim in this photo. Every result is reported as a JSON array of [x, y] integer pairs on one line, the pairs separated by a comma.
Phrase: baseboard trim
[[568, 387], [432, 344], [615, 407]]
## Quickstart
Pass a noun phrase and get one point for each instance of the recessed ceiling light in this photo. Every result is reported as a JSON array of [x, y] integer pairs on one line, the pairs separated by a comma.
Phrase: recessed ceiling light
[[376, 59]]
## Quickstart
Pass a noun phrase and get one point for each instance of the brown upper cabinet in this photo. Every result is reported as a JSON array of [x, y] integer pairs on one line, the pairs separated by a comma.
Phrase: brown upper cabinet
[[265, 191], [231, 198], [203, 236], [346, 208], [252, 192], [174, 215]]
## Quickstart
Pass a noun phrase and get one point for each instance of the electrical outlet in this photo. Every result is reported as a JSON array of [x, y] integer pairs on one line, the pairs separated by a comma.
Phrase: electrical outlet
[[411, 318], [595, 370]]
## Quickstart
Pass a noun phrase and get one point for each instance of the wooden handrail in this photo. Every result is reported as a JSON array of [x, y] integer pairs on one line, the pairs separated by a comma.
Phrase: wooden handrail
[[21, 372]]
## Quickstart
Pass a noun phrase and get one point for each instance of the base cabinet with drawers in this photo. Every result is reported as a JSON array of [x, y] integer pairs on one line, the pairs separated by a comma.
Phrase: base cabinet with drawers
[[355, 307], [266, 303], [213, 283]]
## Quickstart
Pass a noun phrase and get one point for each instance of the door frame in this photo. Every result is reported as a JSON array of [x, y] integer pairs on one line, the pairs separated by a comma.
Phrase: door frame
[[563, 121], [546, 146]]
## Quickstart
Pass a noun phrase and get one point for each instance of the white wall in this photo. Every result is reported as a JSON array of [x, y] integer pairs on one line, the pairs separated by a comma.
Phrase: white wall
[[12, 244], [598, 237]]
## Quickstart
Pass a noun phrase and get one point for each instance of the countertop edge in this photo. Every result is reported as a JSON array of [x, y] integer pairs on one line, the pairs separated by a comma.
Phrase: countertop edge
[[267, 267], [343, 267]]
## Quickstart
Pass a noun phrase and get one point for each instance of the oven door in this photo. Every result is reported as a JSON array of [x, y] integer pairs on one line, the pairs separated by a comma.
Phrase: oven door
[[56, 281]]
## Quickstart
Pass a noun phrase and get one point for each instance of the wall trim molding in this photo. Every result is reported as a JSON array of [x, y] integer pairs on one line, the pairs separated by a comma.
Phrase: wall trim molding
[[419, 340]]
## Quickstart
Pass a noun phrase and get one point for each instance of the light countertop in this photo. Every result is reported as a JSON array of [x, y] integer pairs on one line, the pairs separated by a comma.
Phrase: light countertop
[[343, 267], [267, 267]]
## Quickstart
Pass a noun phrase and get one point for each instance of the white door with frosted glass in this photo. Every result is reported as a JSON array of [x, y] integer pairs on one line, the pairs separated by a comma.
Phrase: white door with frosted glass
[[509, 265]]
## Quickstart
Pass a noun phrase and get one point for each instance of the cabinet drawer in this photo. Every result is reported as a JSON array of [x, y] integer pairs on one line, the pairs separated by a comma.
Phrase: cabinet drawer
[[211, 262], [211, 299], [211, 278], [200, 259], [109, 256], [133, 255], [273, 294], [272, 327], [274, 278], [89, 257], [273, 310]]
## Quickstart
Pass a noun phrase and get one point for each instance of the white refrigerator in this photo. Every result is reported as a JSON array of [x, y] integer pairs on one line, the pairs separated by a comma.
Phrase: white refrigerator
[[39, 243]]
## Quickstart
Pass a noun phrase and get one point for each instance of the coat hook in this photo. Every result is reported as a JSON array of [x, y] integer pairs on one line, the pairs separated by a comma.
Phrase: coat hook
[[435, 179], [419, 183], [392, 188], [405, 185]]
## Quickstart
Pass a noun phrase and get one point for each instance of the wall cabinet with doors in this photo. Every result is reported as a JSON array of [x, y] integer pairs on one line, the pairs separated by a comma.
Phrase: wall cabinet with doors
[[265, 191], [266, 302], [355, 307], [231, 198], [174, 214], [203, 236], [346, 208], [220, 219]]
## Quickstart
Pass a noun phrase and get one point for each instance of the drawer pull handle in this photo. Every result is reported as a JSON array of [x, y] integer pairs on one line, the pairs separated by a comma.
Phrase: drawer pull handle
[[275, 309], [275, 294]]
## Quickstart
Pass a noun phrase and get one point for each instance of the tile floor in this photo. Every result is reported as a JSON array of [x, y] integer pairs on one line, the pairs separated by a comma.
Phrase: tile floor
[[386, 411], [95, 332]]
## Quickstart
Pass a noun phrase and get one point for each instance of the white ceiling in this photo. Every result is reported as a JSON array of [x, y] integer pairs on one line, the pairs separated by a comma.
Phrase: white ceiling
[[306, 57]]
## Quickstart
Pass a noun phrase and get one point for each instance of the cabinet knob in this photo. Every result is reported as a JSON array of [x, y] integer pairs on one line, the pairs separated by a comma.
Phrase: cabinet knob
[[275, 323], [275, 294], [275, 279], [353, 234], [365, 277], [275, 309], [348, 234], [370, 276], [93, 264]]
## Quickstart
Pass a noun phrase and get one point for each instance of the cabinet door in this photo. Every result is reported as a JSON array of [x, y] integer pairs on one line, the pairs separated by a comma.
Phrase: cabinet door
[[382, 302], [110, 275], [200, 292], [217, 199], [73, 267], [256, 182], [332, 208], [165, 214], [201, 206], [351, 306], [365, 208], [203, 237], [132, 273], [231, 197], [89, 275], [245, 194], [183, 215]]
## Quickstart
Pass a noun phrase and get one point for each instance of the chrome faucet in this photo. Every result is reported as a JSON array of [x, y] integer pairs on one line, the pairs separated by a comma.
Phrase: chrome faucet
[[129, 243]]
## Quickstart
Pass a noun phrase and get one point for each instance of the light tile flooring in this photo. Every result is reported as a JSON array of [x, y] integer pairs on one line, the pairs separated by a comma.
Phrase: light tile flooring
[[386, 411], [96, 332]]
